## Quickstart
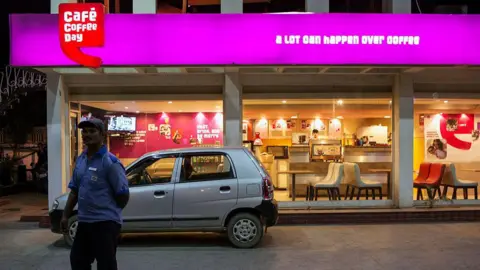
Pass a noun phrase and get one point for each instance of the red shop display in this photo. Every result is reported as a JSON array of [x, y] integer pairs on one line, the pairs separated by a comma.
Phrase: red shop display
[[162, 131]]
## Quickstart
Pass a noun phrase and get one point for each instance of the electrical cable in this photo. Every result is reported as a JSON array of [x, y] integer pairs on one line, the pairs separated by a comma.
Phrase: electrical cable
[[418, 7]]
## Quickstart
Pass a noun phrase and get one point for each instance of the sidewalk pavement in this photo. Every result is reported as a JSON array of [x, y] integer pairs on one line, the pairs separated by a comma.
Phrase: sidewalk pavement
[[29, 207]]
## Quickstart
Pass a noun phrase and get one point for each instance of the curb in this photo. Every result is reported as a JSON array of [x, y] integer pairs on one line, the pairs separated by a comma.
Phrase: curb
[[4, 202], [358, 218], [31, 218]]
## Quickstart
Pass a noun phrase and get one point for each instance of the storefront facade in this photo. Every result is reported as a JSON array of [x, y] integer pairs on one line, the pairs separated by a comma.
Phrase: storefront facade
[[279, 74]]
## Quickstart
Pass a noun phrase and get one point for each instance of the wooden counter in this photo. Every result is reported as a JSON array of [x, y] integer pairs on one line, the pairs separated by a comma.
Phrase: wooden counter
[[349, 149], [322, 167], [299, 149], [366, 154]]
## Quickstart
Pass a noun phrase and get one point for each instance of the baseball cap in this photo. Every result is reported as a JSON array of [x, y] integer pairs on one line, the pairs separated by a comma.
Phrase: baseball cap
[[93, 122]]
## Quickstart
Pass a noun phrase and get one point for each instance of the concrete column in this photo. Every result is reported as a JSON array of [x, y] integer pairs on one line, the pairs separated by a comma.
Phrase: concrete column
[[232, 110], [58, 136], [317, 6], [397, 6], [54, 4], [231, 6], [144, 6], [402, 174]]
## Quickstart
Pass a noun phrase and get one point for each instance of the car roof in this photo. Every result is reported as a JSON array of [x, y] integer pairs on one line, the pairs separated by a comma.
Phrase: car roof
[[193, 150]]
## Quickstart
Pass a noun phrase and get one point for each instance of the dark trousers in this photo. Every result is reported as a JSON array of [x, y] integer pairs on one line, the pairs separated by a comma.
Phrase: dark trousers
[[95, 241]]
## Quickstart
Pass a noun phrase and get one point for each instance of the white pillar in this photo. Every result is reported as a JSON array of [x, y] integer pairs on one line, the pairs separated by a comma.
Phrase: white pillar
[[317, 6], [58, 136], [144, 6], [397, 6], [54, 5], [402, 150], [232, 110], [231, 6]]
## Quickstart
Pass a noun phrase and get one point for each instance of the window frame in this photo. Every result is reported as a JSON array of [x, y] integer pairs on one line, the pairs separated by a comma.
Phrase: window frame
[[155, 158], [233, 174]]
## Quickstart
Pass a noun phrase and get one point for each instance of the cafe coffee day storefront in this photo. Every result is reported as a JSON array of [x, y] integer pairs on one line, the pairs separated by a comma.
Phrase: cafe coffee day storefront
[[299, 89]]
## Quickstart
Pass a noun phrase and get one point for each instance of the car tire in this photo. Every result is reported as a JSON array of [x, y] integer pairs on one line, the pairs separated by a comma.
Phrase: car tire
[[245, 230], [72, 230]]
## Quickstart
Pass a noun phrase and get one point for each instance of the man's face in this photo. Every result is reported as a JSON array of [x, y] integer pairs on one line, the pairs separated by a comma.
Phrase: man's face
[[91, 136]]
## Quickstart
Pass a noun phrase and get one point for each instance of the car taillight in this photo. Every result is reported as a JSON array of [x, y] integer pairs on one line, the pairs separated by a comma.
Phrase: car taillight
[[267, 188]]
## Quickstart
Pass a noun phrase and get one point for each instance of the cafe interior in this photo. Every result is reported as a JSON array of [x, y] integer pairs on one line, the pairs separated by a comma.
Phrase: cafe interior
[[313, 149]]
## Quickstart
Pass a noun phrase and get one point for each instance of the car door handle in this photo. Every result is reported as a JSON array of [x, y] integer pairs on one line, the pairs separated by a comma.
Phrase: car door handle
[[159, 194], [225, 189]]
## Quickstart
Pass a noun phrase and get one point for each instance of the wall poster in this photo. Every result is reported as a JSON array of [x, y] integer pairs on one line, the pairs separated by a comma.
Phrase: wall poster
[[452, 137]]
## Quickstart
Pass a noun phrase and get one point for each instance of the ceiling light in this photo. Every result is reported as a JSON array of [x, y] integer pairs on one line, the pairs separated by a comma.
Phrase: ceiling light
[[386, 116], [339, 102], [340, 117], [284, 101], [294, 117], [126, 108], [137, 111], [179, 110], [445, 101], [170, 102]]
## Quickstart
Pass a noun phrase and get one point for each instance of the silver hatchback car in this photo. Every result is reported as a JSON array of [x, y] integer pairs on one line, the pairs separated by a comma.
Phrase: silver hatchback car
[[194, 190]]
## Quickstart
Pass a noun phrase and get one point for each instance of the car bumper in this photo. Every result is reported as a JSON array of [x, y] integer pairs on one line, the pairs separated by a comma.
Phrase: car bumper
[[55, 218], [269, 211]]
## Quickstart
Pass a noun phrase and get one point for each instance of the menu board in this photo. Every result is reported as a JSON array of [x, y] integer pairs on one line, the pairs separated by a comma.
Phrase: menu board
[[166, 131], [281, 128]]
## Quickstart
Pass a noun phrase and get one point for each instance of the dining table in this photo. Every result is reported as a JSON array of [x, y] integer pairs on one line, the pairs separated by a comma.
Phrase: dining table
[[388, 172], [470, 170], [293, 173]]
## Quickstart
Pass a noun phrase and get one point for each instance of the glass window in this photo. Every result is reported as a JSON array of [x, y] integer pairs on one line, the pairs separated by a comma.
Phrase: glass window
[[152, 171], [298, 141], [135, 128], [446, 149], [206, 168]]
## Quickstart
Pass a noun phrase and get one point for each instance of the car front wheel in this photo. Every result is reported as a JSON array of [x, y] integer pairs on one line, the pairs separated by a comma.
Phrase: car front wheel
[[72, 231], [245, 230]]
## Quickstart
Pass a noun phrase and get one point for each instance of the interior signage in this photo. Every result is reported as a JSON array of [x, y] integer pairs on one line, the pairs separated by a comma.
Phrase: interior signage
[[251, 39]]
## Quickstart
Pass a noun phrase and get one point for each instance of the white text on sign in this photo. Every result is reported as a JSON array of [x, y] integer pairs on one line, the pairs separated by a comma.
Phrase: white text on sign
[[77, 22], [347, 40]]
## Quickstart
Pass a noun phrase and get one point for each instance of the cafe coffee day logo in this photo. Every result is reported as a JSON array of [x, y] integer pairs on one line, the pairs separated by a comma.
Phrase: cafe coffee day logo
[[81, 25]]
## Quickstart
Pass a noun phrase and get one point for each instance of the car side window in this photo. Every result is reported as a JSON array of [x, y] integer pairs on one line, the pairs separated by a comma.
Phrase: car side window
[[203, 167], [152, 171]]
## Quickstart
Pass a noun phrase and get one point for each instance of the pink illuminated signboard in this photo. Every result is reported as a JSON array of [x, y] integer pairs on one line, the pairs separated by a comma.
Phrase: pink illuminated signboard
[[258, 39]]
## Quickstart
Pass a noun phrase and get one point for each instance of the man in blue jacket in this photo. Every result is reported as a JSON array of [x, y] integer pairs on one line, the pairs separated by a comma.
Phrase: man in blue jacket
[[100, 188]]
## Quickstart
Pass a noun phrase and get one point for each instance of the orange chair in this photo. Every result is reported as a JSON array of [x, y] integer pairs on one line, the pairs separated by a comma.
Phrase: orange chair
[[433, 181], [423, 173]]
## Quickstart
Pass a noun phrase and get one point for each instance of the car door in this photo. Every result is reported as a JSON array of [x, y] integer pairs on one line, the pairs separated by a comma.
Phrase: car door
[[151, 184], [206, 194]]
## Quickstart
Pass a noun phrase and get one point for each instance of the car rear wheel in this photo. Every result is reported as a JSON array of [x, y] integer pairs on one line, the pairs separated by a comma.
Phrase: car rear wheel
[[245, 230], [72, 231]]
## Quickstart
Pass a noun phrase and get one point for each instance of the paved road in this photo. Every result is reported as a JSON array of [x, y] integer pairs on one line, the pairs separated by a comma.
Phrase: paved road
[[365, 247]]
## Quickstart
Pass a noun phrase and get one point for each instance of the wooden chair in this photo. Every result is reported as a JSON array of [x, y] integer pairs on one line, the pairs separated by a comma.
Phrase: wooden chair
[[331, 185], [433, 181], [451, 180], [356, 182], [419, 182]]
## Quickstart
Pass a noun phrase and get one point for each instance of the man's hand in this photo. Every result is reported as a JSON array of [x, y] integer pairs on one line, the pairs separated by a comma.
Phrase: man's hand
[[64, 224]]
